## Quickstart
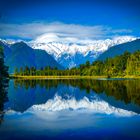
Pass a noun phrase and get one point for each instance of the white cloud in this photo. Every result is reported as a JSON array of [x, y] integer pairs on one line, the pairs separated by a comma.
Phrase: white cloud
[[61, 30]]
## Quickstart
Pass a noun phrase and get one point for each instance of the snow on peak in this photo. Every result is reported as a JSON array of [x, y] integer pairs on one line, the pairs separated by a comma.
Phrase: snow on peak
[[8, 41], [64, 49], [57, 46]]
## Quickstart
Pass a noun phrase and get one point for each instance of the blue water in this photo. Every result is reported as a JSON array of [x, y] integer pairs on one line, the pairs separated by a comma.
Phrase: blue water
[[89, 109]]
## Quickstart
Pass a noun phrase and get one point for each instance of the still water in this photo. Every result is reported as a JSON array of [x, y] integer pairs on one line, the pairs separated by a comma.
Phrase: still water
[[69, 109]]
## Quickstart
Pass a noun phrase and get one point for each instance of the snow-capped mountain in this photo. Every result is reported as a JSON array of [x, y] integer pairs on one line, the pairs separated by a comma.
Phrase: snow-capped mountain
[[73, 53], [7, 42]]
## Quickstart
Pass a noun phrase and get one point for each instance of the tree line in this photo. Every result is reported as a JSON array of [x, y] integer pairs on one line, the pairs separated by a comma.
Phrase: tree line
[[47, 71], [123, 90], [125, 64], [3, 68]]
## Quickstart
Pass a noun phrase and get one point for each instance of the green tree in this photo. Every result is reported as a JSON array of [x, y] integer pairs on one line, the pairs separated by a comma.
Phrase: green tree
[[16, 71], [87, 64]]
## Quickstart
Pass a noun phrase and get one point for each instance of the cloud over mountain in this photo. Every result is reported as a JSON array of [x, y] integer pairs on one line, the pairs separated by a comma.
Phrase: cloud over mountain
[[70, 32]]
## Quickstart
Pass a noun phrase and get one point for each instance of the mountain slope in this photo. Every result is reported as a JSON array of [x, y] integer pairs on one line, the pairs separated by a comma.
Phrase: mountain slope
[[70, 54], [120, 49], [6, 47], [21, 55]]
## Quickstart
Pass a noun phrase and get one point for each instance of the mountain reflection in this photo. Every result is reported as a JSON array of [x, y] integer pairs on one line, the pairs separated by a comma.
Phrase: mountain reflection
[[120, 93]]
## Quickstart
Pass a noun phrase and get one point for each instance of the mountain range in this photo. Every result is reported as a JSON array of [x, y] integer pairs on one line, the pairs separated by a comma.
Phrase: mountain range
[[120, 49], [19, 55], [40, 52], [70, 54]]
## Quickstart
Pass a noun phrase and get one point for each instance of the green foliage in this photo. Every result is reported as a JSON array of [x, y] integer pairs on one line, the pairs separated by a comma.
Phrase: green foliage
[[20, 54], [3, 68], [133, 64], [126, 64], [122, 90], [47, 71], [87, 64]]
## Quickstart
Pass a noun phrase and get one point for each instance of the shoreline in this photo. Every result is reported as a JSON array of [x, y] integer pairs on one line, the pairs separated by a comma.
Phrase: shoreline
[[71, 77]]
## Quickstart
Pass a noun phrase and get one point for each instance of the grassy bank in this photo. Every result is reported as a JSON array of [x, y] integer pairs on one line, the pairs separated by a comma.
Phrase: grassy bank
[[68, 77], [55, 77]]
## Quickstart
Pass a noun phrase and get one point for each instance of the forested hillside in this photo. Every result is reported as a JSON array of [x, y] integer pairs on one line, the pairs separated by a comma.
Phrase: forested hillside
[[125, 64], [21, 55]]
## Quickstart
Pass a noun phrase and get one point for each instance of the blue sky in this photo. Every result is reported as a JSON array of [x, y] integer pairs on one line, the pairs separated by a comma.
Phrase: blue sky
[[101, 18]]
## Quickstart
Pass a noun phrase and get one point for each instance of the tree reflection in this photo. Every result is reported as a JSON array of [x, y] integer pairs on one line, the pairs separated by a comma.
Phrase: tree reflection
[[127, 91], [3, 96]]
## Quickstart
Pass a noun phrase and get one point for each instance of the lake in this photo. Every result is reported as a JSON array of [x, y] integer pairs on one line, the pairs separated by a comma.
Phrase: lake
[[69, 109]]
